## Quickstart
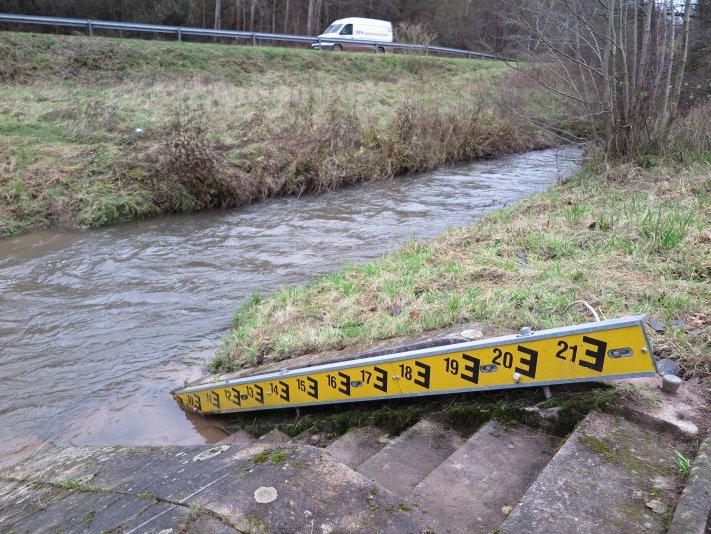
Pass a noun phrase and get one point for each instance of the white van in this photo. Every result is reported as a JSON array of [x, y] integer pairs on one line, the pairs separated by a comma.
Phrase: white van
[[354, 29]]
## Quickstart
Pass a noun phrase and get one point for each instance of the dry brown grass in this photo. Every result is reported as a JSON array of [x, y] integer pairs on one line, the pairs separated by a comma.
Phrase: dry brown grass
[[183, 168]]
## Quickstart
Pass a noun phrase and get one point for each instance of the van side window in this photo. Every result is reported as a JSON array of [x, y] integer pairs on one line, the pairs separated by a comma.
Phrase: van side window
[[347, 29]]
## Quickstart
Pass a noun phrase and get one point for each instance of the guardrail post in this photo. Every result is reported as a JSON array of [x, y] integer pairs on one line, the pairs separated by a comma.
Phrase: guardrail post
[[91, 28], [180, 35], [254, 39], [320, 45]]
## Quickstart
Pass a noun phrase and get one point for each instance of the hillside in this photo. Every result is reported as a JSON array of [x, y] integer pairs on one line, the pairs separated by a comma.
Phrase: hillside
[[94, 131]]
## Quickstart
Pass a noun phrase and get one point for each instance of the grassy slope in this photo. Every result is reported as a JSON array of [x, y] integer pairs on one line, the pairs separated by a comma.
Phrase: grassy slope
[[224, 125], [631, 241]]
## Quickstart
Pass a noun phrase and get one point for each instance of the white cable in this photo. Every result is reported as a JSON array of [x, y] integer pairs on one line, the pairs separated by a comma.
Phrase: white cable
[[584, 303]]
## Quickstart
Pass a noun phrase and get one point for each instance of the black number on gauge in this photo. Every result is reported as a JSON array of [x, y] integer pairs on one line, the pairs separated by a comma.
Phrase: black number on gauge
[[419, 374], [340, 382], [308, 386], [452, 365], [527, 360], [467, 370], [503, 358], [596, 354]]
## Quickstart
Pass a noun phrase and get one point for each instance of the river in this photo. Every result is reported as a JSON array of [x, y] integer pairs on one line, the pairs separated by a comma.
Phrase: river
[[97, 327]]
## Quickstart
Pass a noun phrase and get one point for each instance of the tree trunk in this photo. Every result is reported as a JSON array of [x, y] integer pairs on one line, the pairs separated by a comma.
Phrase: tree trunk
[[681, 66], [218, 14], [309, 18], [252, 10], [286, 17], [606, 78], [238, 25], [670, 64]]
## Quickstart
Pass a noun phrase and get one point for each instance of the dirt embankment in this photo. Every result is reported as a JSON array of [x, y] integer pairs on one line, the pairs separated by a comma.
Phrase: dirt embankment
[[94, 131]]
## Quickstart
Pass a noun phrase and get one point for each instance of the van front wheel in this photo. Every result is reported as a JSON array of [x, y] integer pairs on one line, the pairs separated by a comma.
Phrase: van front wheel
[[381, 50], [337, 48]]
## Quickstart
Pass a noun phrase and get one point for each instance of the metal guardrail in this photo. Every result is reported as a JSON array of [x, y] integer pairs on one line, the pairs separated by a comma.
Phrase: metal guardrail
[[91, 26]]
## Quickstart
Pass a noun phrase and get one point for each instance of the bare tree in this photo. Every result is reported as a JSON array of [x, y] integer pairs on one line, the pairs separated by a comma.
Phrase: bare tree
[[310, 17], [218, 14], [619, 62], [252, 12]]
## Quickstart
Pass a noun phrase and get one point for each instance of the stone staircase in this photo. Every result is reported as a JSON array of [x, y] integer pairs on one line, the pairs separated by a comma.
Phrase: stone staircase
[[614, 473]]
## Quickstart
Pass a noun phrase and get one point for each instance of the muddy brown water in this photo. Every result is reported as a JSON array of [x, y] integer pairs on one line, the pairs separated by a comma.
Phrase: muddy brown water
[[97, 327]]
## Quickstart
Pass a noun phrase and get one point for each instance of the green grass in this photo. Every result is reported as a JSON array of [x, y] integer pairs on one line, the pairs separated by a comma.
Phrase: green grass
[[29, 56], [683, 464], [270, 456], [223, 125], [628, 242]]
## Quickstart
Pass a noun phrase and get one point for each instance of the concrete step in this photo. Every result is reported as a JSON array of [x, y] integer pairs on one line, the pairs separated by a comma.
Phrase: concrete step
[[402, 464], [199, 489], [492, 470], [274, 437], [356, 446], [238, 438], [607, 477]]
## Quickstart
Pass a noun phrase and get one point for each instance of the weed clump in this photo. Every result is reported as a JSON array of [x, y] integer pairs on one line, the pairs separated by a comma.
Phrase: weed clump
[[190, 173]]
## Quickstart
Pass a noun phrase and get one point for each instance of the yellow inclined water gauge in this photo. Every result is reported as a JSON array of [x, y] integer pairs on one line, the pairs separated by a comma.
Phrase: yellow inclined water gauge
[[604, 350]]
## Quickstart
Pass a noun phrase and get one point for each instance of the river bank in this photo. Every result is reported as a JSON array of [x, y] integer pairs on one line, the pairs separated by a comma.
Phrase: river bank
[[628, 240], [101, 325], [96, 131]]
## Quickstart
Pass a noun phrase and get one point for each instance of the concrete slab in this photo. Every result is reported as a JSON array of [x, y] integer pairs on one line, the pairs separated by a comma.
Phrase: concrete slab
[[302, 439], [205, 524], [601, 480], [681, 413], [59, 510], [402, 464], [132, 470], [56, 464], [19, 501], [238, 438], [260, 488], [310, 491], [274, 437], [492, 470], [356, 446], [155, 518]]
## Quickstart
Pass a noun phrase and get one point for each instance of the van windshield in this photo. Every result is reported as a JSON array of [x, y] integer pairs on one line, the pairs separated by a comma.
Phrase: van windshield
[[333, 28]]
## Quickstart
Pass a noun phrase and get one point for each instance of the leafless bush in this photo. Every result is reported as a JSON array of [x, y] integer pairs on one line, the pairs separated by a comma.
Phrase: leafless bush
[[620, 63], [192, 172], [322, 144], [343, 148], [415, 33], [691, 135]]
